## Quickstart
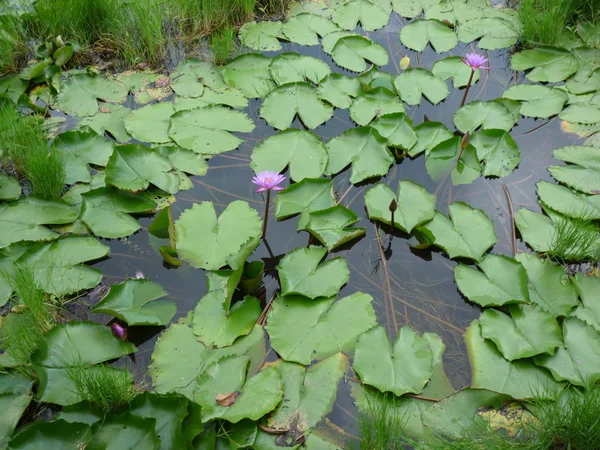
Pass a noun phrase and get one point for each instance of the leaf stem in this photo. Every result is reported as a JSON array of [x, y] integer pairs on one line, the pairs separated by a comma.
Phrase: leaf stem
[[264, 230], [464, 99]]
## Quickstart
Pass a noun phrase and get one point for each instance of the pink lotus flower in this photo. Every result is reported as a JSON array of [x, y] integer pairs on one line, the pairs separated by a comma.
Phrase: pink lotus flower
[[118, 331], [268, 181], [475, 61]]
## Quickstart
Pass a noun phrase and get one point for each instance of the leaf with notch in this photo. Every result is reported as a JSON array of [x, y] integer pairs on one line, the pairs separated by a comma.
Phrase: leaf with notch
[[293, 67], [373, 104], [498, 151], [398, 129], [568, 202], [261, 36], [250, 74], [150, 123], [372, 14], [454, 67], [417, 34], [444, 158], [494, 32], [414, 83], [537, 100], [583, 173], [429, 135], [333, 226], [350, 52], [489, 115], [302, 198], [305, 28], [339, 90], [549, 64]]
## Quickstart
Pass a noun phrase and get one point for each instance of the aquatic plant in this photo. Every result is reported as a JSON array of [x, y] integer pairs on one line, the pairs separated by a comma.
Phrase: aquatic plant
[[222, 43], [267, 181], [118, 331], [475, 62], [381, 425], [575, 240]]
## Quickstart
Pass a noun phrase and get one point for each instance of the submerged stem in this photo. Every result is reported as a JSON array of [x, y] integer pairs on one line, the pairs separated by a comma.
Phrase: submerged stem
[[464, 99], [264, 230]]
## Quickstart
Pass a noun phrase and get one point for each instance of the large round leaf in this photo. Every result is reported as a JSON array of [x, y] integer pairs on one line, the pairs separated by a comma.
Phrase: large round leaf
[[280, 107], [429, 135], [135, 302], [373, 104], [454, 67], [293, 67], [418, 33], [80, 93], [414, 83], [372, 14], [261, 36], [498, 151], [304, 330], [210, 243], [207, 130], [415, 205], [70, 345], [301, 274], [350, 52], [585, 114], [549, 64], [362, 147], [494, 32], [110, 119], [333, 226], [468, 232], [339, 90], [404, 368], [150, 123], [502, 280], [304, 197], [250, 74], [589, 311], [584, 172], [537, 100], [398, 129], [55, 435], [456, 157], [305, 28], [488, 115], [15, 396], [568, 202], [124, 432], [304, 151]]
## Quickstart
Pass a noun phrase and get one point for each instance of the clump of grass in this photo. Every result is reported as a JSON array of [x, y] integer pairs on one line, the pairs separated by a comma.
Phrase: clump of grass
[[45, 171], [222, 43], [12, 44], [575, 240], [545, 22], [105, 387], [381, 425]]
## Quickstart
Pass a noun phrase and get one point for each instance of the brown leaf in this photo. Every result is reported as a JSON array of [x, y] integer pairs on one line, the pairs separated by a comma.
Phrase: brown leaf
[[162, 82], [104, 110], [227, 399], [270, 430]]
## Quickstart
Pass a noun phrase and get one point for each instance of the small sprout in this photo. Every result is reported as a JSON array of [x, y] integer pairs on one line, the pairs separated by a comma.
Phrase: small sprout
[[393, 208]]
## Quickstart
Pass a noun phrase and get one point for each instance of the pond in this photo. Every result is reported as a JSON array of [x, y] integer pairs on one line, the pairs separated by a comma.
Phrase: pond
[[411, 284]]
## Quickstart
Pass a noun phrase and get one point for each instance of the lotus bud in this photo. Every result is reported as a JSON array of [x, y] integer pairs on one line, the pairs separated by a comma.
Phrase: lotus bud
[[118, 331]]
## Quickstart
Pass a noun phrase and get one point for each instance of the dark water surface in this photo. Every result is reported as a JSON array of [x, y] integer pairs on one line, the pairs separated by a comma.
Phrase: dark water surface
[[422, 282]]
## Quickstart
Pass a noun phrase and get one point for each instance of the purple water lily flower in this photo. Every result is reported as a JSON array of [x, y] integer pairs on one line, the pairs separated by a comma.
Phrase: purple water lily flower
[[268, 181], [118, 331], [475, 61]]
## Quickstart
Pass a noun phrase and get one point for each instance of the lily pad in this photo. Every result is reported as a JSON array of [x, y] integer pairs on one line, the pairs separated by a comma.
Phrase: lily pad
[[538, 230], [501, 281], [23, 220], [364, 148], [261, 36], [549, 64], [207, 130], [109, 119], [133, 167], [589, 311], [280, 107], [333, 226], [548, 286], [250, 74], [404, 368], [352, 52], [207, 242], [398, 129], [578, 361], [488, 115], [414, 83], [429, 135], [304, 330], [454, 67], [494, 32], [583, 173], [304, 151], [106, 211], [150, 123], [415, 205], [66, 346], [371, 14], [15, 396], [135, 302], [80, 93], [293, 67], [10, 189], [301, 274], [585, 114], [417, 34], [184, 160], [304, 28], [339, 90], [302, 198], [55, 435], [570, 203], [468, 233], [126, 432], [412, 8], [373, 104], [537, 100], [454, 157], [498, 151]]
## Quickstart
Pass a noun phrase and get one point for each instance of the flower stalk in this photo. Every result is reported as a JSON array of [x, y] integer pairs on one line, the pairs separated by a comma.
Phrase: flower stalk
[[267, 181], [475, 62]]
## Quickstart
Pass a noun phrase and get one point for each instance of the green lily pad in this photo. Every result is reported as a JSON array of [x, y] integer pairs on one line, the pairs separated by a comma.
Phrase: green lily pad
[[537, 100], [109, 119], [261, 36], [412, 8], [364, 148], [549, 64], [23, 220], [584, 82], [527, 331], [293, 67], [106, 211], [548, 285], [80, 93], [488, 115], [352, 51], [301, 274], [453, 157], [567, 202], [10, 189], [585, 114], [150, 123], [207, 130], [371, 14], [398, 129], [250, 74], [214, 321], [429, 135], [313, 7], [520, 379], [454, 67], [494, 32], [304, 28], [339, 90], [404, 368], [66, 346], [135, 302], [304, 330], [280, 107], [498, 151], [55, 435], [304, 197], [304, 151], [207, 242], [417, 34], [333, 226], [589, 311], [258, 396], [583, 173], [414, 83], [468, 233], [133, 167], [538, 230], [501, 281], [15, 396], [126, 432], [578, 361], [373, 104], [184, 160], [415, 205]]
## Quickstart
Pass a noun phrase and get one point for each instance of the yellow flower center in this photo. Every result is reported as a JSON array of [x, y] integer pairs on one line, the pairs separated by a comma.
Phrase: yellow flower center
[[268, 180]]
